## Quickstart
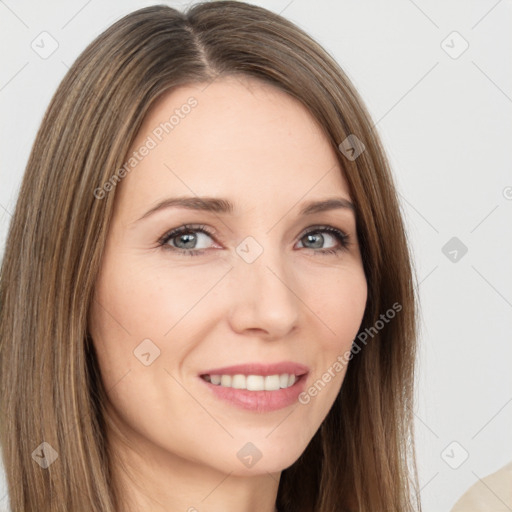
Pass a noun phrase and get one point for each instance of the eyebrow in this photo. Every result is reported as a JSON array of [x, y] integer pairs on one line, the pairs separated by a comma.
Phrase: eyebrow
[[219, 205]]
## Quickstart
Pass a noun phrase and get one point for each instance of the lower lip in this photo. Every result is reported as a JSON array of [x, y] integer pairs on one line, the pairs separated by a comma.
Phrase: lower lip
[[259, 401]]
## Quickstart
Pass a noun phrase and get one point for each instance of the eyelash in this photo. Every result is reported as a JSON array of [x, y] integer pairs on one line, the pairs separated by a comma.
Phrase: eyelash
[[343, 239]]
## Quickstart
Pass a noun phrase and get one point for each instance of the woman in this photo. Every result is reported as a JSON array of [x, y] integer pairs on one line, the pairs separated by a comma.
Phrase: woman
[[263, 374]]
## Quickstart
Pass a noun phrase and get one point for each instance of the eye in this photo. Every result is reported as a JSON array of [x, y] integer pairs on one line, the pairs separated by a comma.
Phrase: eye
[[187, 238], [184, 239], [315, 237]]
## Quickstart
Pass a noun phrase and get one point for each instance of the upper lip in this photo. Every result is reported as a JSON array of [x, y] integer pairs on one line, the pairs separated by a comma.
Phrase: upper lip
[[260, 369]]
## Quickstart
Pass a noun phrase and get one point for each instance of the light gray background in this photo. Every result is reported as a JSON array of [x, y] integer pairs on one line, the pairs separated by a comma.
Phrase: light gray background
[[446, 125]]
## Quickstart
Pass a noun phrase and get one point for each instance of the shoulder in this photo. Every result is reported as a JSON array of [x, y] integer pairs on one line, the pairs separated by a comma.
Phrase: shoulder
[[490, 494]]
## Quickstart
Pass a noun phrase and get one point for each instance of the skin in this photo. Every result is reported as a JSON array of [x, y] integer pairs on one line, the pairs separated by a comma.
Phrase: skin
[[176, 443]]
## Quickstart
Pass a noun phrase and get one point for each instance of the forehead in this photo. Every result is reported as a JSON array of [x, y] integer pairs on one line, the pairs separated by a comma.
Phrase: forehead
[[235, 137]]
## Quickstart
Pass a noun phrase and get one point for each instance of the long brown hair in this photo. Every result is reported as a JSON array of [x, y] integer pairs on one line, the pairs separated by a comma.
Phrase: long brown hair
[[362, 457]]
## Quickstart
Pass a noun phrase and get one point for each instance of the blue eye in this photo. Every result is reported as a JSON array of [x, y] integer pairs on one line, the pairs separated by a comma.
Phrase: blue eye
[[185, 238], [341, 237]]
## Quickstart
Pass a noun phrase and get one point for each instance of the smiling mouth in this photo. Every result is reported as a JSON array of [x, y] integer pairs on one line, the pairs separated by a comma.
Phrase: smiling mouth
[[253, 382]]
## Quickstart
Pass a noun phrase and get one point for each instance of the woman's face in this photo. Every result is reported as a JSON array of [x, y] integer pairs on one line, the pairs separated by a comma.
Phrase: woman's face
[[264, 287]]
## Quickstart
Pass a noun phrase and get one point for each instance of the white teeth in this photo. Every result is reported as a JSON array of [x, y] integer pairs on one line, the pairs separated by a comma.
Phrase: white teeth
[[225, 381], [273, 382], [253, 382], [215, 379], [238, 382]]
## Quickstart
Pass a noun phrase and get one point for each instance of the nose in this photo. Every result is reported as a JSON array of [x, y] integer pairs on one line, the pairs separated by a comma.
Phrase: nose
[[263, 296]]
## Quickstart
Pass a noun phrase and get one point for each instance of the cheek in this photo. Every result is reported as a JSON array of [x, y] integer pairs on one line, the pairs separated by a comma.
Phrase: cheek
[[147, 299], [340, 304], [339, 300], [137, 301]]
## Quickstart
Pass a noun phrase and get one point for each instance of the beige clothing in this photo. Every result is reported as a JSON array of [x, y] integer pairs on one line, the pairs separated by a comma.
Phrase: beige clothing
[[491, 494]]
